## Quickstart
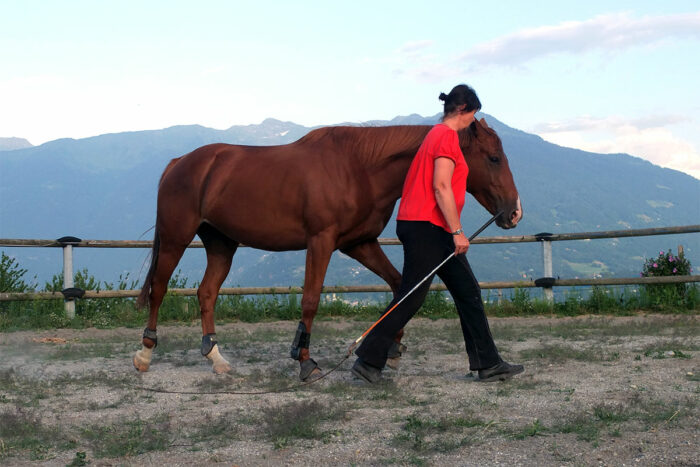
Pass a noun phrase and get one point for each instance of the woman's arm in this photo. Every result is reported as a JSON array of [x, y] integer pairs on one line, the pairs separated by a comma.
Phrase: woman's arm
[[442, 185]]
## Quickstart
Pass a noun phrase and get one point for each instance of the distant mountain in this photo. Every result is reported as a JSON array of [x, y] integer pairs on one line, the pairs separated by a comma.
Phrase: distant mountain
[[10, 144], [104, 187]]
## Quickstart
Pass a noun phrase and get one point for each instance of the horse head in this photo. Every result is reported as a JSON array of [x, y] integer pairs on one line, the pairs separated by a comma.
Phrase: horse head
[[490, 180]]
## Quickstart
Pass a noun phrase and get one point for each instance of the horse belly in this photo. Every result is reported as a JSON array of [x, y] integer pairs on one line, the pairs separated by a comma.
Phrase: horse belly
[[250, 209]]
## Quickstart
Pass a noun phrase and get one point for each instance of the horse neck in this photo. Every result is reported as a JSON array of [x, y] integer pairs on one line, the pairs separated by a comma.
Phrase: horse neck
[[394, 150]]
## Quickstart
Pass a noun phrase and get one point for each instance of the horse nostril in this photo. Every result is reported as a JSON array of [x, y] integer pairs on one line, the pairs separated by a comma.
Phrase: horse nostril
[[515, 216]]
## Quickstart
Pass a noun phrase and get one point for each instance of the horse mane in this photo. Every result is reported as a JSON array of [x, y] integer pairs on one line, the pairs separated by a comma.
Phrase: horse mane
[[373, 146], [467, 135]]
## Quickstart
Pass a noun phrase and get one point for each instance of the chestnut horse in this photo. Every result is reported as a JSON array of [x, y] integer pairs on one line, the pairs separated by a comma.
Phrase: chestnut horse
[[334, 189]]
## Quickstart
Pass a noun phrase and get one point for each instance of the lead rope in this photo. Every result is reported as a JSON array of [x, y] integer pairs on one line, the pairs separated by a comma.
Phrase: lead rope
[[350, 349]]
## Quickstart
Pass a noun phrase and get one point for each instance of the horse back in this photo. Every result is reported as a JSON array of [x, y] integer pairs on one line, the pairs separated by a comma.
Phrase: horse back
[[272, 197]]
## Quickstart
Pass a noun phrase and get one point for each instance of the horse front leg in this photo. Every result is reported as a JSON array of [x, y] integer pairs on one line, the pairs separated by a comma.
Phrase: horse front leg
[[371, 255], [318, 254]]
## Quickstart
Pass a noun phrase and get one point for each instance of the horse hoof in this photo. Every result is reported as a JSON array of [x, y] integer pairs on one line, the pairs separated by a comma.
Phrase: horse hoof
[[393, 362], [394, 356], [142, 359], [220, 365], [221, 368], [309, 370]]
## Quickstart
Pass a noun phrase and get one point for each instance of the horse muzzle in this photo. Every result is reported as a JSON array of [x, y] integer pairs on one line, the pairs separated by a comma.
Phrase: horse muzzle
[[511, 215]]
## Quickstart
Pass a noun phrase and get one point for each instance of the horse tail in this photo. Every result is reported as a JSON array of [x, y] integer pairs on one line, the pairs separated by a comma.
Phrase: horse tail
[[143, 299]]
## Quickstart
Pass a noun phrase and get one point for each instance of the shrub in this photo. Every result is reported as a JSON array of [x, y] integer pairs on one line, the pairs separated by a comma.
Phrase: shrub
[[11, 275], [666, 264]]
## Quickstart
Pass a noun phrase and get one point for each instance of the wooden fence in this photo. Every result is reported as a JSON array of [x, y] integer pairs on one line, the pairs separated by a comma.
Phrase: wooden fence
[[547, 282]]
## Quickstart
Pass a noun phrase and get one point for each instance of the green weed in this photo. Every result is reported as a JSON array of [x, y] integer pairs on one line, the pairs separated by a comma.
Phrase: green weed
[[216, 429], [129, 437], [431, 434], [22, 431], [534, 429], [299, 420]]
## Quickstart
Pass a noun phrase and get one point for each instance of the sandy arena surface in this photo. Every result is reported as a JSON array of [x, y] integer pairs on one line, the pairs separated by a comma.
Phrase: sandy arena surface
[[596, 391]]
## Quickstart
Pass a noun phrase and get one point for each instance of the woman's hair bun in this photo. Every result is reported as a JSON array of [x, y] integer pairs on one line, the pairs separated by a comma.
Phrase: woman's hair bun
[[443, 96]]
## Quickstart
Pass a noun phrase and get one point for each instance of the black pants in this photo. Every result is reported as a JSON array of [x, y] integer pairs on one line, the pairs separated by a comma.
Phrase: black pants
[[425, 246]]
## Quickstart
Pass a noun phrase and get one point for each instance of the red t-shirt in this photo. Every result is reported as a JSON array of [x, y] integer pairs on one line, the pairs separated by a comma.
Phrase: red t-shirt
[[418, 201]]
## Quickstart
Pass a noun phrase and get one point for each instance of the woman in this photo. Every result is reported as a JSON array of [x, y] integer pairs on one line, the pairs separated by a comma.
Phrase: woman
[[429, 227]]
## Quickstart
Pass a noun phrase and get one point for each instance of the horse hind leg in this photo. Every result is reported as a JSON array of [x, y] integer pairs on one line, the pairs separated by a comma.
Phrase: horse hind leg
[[371, 255], [166, 255], [220, 250]]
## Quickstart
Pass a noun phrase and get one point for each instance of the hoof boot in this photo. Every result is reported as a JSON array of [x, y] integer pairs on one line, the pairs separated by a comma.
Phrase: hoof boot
[[308, 369], [142, 359], [220, 365]]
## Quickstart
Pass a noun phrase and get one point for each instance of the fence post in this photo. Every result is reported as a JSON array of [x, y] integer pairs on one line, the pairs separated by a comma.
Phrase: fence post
[[68, 283], [544, 237]]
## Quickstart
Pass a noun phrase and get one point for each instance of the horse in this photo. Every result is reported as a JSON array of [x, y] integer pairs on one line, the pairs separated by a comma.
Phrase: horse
[[333, 189]]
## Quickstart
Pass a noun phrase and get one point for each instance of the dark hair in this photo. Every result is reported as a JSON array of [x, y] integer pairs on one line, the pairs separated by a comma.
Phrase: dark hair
[[459, 96]]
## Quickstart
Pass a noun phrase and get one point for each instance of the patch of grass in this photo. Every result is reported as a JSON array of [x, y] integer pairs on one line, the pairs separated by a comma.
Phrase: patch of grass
[[611, 414], [430, 434], [656, 413], [22, 431], [79, 460], [299, 420], [216, 429], [129, 437], [85, 351], [614, 418], [585, 427], [534, 429], [28, 391], [104, 405], [662, 353]]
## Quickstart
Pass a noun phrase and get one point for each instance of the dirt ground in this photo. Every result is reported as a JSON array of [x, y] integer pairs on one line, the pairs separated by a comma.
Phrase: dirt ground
[[596, 391]]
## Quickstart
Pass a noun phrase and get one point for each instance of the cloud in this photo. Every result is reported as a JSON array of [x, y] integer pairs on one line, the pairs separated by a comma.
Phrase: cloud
[[416, 59], [605, 32], [613, 123], [415, 46], [638, 137]]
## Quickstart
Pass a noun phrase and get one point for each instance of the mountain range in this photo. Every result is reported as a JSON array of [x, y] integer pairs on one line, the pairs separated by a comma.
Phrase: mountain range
[[104, 187], [10, 144]]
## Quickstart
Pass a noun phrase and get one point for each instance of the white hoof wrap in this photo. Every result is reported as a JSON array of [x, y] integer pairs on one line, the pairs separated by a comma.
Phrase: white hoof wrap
[[142, 359], [220, 363]]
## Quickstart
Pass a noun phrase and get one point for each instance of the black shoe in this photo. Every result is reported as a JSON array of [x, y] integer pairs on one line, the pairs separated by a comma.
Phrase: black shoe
[[366, 372], [500, 372]]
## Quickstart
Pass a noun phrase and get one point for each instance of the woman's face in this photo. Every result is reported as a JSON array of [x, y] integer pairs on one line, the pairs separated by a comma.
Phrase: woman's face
[[466, 119]]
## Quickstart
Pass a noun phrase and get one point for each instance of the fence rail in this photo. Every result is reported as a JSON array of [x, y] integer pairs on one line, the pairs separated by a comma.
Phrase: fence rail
[[547, 283], [22, 296], [79, 243]]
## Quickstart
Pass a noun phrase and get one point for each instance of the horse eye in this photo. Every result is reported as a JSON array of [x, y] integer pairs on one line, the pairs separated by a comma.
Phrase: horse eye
[[494, 159]]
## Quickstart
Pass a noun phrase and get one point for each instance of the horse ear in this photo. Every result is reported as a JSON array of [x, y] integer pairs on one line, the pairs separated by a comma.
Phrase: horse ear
[[483, 122]]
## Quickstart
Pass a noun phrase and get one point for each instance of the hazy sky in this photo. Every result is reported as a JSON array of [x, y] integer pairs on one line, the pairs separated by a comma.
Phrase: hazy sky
[[605, 76]]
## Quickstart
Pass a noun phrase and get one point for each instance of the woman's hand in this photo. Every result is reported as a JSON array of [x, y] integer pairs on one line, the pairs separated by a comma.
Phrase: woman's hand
[[461, 244]]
